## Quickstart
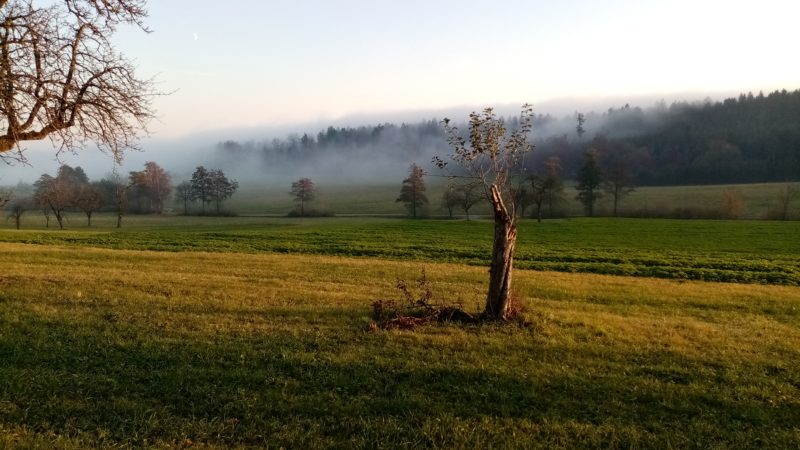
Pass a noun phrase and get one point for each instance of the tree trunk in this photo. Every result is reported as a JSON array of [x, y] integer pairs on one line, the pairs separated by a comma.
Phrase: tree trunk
[[59, 219], [505, 238], [88, 219]]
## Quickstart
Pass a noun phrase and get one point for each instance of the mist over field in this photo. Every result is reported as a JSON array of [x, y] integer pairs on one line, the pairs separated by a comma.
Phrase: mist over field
[[387, 159]]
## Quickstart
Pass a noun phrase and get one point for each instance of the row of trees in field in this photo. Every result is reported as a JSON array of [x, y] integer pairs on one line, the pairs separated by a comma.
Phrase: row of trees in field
[[207, 187], [147, 191], [544, 193], [543, 189]]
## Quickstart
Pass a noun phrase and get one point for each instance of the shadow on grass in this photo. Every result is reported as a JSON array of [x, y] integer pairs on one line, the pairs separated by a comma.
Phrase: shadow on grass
[[122, 385]]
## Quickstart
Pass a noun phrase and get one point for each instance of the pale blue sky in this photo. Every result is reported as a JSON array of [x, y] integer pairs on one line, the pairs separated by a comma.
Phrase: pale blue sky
[[244, 63]]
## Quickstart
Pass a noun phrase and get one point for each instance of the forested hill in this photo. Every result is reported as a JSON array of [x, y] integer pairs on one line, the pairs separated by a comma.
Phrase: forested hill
[[751, 138]]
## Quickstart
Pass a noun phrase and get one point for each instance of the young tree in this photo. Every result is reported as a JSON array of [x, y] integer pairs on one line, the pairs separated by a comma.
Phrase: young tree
[[464, 196], [471, 195], [152, 186], [490, 155], [521, 197], [412, 193], [220, 188], [183, 192], [303, 191], [451, 198], [589, 179], [538, 194], [63, 79], [618, 183], [89, 199]]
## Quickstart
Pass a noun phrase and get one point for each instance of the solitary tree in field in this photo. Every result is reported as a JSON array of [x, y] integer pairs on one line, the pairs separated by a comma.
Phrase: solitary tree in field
[[490, 154], [303, 191], [412, 193], [60, 76], [589, 181]]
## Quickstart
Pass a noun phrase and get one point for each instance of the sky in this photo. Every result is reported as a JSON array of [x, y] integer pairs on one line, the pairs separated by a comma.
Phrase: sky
[[246, 63], [238, 65]]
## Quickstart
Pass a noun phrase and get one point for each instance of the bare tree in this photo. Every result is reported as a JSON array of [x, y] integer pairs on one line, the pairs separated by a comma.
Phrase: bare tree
[[490, 154], [60, 76], [89, 199], [52, 196], [183, 192], [17, 208], [618, 183], [786, 196], [471, 195], [451, 198], [521, 197], [303, 191]]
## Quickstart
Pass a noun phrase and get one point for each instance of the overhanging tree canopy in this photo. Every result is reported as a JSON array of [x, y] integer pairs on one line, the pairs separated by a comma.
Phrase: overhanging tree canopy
[[60, 76]]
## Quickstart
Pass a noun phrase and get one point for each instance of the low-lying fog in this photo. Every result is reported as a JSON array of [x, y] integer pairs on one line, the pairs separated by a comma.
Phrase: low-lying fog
[[265, 155]]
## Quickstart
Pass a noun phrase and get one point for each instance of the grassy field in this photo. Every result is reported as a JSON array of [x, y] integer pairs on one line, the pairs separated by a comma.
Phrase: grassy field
[[380, 199], [109, 348], [734, 251]]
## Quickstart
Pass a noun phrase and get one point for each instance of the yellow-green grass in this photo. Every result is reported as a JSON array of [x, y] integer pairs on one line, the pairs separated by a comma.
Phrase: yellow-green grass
[[106, 348], [734, 251]]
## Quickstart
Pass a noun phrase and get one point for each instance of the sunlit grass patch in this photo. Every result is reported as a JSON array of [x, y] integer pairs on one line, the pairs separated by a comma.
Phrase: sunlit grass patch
[[106, 347]]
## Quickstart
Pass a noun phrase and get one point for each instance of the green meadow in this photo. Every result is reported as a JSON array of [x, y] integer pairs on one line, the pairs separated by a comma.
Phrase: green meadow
[[243, 332], [379, 199]]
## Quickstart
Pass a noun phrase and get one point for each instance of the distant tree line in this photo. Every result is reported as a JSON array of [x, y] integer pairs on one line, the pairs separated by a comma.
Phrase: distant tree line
[[750, 138]]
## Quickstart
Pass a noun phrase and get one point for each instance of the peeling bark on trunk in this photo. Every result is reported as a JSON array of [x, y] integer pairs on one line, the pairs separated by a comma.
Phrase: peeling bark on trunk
[[505, 239]]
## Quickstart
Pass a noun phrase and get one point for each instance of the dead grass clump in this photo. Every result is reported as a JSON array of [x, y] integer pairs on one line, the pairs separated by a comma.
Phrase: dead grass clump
[[415, 309]]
